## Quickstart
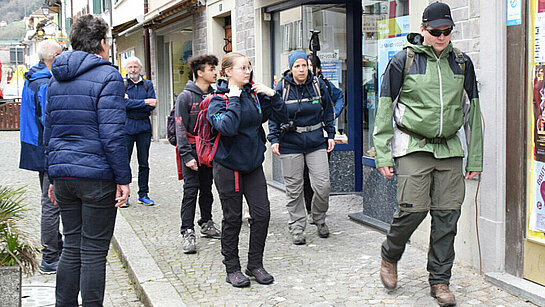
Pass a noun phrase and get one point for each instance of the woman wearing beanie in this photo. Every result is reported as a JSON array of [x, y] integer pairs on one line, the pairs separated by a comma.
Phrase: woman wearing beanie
[[307, 139], [238, 163]]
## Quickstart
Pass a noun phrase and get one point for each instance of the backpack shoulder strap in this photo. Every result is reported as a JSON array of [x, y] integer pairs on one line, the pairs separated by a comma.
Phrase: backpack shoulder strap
[[285, 90], [126, 83], [316, 86], [460, 59], [409, 59], [145, 84]]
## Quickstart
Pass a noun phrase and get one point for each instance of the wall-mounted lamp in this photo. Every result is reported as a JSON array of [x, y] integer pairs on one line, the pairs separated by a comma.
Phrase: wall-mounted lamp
[[45, 8]]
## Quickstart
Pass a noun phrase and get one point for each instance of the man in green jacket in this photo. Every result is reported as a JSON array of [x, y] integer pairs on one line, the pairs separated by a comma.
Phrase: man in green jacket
[[418, 127]]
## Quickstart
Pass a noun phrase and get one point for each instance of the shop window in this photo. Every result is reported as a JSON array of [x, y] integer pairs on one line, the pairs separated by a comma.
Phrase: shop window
[[384, 27], [292, 32]]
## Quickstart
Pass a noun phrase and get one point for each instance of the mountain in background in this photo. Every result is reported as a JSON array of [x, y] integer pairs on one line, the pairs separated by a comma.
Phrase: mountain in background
[[12, 12], [15, 10]]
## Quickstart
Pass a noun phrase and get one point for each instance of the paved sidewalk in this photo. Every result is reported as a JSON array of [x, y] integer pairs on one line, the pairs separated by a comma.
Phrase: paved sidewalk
[[39, 290], [342, 270]]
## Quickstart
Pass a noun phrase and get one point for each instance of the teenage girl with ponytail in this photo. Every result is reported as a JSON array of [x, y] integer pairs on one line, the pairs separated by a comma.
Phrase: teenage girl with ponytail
[[237, 166]]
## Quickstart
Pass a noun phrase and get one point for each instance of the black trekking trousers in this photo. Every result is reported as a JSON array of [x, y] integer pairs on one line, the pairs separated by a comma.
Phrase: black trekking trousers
[[232, 185], [196, 182]]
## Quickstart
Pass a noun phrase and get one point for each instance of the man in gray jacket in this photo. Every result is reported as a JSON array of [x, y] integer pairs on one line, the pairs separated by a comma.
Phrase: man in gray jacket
[[196, 177]]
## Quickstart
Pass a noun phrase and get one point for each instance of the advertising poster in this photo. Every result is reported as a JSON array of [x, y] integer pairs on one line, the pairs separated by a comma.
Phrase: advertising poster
[[539, 112], [387, 48], [537, 214], [332, 71]]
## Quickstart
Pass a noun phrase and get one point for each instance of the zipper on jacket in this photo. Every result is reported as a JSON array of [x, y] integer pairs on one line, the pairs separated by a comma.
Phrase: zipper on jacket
[[440, 93]]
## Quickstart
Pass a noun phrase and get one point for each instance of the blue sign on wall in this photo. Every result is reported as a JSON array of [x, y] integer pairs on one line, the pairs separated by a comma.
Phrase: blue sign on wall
[[514, 12]]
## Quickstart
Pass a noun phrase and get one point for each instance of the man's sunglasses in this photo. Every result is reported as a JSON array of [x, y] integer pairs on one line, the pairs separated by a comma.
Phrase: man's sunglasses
[[437, 33]]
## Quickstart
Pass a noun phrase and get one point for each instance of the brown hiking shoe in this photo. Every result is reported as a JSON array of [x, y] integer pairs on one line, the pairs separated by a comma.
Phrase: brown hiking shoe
[[443, 295], [388, 274]]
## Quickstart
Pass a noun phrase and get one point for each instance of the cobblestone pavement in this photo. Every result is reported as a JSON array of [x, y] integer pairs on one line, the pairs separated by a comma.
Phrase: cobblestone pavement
[[342, 270], [39, 290]]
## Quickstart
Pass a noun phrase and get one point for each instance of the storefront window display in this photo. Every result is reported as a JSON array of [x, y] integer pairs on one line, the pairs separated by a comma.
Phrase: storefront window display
[[385, 24], [294, 26], [182, 49]]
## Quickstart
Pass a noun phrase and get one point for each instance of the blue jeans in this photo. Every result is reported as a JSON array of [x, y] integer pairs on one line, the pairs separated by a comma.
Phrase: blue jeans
[[51, 237], [88, 216], [143, 142]]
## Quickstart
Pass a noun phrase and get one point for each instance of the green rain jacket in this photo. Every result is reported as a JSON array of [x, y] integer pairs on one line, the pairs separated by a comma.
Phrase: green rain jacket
[[430, 105]]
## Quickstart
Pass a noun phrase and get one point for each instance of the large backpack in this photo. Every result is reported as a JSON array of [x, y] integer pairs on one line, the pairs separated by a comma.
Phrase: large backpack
[[171, 124], [206, 141]]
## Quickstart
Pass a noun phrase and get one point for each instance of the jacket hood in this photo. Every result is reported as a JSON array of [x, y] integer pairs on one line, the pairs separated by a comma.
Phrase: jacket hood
[[415, 42], [223, 86], [73, 63], [194, 88], [289, 77], [38, 71]]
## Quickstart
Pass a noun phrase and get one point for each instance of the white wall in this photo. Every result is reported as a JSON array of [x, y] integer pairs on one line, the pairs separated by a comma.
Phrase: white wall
[[126, 10]]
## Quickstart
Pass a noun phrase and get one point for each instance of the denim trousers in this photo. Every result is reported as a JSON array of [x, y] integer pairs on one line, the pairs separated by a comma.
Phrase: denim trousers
[[143, 142], [88, 216], [196, 182], [50, 236]]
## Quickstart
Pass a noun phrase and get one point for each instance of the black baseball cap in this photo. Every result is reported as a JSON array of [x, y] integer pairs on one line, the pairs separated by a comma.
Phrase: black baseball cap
[[437, 15]]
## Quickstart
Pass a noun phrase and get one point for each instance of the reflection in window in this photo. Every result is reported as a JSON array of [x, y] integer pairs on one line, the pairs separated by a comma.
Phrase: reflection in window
[[384, 27]]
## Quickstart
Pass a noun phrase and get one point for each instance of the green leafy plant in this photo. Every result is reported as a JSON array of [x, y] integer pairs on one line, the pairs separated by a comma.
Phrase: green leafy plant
[[16, 248]]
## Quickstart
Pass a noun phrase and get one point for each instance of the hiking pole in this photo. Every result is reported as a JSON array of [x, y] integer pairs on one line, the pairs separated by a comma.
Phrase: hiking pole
[[314, 46]]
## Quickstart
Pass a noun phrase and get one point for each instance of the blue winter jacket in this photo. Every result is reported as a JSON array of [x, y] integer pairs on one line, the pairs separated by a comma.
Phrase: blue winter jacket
[[242, 142], [337, 97], [32, 120], [137, 111], [305, 110], [85, 120]]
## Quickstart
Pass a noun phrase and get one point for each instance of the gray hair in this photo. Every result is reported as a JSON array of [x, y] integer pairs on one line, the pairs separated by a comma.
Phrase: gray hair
[[133, 59], [48, 49]]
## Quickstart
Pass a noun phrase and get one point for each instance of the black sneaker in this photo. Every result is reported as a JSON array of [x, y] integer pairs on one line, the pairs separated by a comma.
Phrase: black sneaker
[[237, 279], [261, 276], [209, 230]]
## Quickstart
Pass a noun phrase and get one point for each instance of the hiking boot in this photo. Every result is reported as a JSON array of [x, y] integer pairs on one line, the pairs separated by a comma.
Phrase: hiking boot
[[442, 294], [388, 274], [310, 219], [188, 243], [298, 238], [146, 201], [48, 268], [261, 276], [323, 230], [209, 230], [237, 279]]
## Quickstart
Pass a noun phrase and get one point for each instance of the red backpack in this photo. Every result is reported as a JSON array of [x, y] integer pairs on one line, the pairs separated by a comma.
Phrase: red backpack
[[206, 145]]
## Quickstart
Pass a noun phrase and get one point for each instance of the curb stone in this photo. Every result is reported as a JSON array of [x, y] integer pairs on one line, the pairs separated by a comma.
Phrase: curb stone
[[152, 287]]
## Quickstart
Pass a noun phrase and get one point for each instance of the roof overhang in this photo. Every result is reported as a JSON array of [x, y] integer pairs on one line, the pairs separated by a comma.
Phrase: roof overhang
[[172, 11]]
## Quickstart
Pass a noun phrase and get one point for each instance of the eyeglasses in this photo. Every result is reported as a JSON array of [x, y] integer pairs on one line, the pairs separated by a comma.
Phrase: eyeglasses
[[247, 69], [437, 33]]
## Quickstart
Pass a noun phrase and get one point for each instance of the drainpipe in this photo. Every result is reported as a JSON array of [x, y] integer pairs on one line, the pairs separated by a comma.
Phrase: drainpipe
[[147, 52], [112, 48]]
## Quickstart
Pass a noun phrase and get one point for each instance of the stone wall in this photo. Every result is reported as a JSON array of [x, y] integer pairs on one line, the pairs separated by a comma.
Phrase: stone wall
[[466, 34], [245, 28], [199, 33]]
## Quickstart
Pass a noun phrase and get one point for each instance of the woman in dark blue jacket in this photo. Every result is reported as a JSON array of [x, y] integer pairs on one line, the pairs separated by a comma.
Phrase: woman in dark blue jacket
[[238, 163], [305, 141]]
